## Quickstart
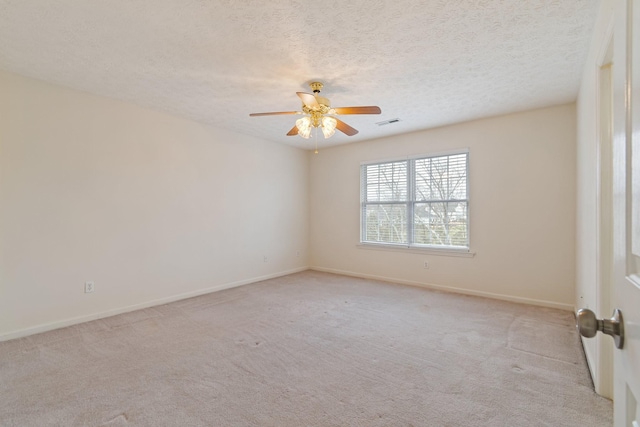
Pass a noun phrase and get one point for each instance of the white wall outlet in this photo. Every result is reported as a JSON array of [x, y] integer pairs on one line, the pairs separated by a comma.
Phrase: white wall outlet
[[426, 265], [89, 287], [265, 259], [297, 254]]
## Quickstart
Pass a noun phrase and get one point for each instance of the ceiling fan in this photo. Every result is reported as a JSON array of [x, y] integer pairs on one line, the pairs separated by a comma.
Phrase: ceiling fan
[[318, 112]]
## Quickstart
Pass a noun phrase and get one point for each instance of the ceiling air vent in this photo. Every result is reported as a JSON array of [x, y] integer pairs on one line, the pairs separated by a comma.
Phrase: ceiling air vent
[[388, 122]]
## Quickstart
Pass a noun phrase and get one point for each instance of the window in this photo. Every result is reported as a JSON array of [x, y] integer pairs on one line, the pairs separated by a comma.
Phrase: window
[[420, 202]]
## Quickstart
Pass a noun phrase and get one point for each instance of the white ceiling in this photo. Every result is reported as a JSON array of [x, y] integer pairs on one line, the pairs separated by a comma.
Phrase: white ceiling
[[426, 62]]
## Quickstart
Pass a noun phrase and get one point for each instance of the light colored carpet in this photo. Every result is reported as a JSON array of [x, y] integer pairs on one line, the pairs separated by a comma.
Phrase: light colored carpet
[[309, 349]]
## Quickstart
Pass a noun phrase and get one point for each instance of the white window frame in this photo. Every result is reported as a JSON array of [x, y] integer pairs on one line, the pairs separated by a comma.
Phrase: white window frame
[[410, 203]]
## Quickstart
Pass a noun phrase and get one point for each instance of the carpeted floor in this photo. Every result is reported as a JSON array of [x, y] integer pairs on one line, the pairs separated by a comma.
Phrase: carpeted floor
[[309, 349]]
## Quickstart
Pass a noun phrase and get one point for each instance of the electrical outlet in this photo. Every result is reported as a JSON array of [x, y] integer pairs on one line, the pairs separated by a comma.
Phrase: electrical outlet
[[265, 259], [89, 287], [298, 254], [426, 265]]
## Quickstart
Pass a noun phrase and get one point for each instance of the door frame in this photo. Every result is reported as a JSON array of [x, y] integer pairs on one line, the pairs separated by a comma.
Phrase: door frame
[[602, 373], [598, 352]]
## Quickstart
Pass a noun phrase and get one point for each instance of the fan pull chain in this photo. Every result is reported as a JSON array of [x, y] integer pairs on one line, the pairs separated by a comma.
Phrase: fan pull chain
[[315, 138]]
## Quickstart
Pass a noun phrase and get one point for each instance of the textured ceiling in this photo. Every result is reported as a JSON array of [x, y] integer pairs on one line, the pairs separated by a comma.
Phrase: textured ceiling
[[426, 62]]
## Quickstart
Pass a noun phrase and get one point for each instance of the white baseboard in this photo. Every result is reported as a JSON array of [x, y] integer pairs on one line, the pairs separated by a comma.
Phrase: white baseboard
[[160, 301], [590, 363], [521, 300]]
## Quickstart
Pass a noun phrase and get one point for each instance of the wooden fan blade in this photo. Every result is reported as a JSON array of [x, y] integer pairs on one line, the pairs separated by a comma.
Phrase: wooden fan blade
[[293, 131], [357, 110], [345, 128], [309, 100], [277, 113]]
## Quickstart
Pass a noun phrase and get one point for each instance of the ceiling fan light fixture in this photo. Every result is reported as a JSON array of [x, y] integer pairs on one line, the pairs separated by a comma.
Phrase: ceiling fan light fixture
[[328, 126], [304, 127], [316, 110]]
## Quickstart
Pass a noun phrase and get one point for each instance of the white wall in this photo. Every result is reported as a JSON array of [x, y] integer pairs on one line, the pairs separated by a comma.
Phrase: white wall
[[587, 261], [522, 208], [149, 206]]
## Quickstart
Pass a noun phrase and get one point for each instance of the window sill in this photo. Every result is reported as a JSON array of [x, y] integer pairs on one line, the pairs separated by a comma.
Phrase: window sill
[[462, 253]]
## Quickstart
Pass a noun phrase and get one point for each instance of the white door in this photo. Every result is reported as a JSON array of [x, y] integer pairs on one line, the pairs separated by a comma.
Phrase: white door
[[626, 210]]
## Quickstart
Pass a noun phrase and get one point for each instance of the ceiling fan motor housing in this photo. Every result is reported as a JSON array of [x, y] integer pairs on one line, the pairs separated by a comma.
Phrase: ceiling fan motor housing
[[323, 106]]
